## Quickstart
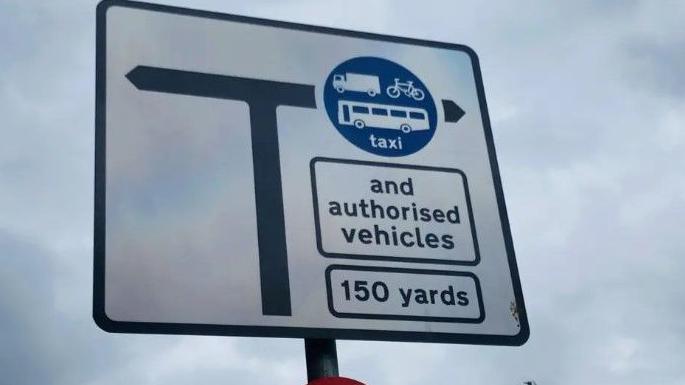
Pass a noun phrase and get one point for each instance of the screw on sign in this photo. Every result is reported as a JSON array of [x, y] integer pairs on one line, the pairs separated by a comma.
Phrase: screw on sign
[[335, 381]]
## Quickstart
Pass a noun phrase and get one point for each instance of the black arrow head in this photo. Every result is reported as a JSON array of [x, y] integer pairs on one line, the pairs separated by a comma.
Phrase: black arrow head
[[452, 111], [138, 76]]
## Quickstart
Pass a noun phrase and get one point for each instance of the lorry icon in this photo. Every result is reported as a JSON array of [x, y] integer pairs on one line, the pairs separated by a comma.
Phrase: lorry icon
[[357, 82]]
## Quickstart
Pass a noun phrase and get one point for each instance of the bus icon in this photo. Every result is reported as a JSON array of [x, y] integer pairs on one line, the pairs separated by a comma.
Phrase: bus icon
[[362, 115]]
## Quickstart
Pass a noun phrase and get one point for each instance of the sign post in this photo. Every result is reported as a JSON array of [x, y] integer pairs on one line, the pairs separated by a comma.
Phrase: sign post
[[322, 358], [262, 178]]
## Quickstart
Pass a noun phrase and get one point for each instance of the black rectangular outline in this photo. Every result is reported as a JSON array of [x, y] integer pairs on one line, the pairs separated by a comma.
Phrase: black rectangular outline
[[99, 314], [331, 302], [317, 223]]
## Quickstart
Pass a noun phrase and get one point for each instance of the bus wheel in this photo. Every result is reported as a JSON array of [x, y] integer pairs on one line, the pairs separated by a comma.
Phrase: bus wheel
[[340, 89], [405, 128], [371, 93], [359, 124]]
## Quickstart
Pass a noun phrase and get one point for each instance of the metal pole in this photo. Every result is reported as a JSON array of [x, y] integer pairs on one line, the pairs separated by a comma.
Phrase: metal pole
[[322, 358]]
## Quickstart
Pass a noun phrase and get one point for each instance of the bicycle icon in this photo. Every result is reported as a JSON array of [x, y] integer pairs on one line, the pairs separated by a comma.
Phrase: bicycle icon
[[407, 88]]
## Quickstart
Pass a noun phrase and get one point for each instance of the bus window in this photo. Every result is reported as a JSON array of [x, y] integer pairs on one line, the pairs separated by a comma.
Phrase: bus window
[[360, 109], [379, 111], [417, 115], [398, 114]]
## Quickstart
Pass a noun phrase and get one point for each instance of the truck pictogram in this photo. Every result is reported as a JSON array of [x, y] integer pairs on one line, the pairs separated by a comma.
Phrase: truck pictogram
[[357, 82]]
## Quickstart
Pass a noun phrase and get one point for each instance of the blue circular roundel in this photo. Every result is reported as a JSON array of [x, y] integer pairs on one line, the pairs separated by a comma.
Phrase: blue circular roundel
[[380, 106]]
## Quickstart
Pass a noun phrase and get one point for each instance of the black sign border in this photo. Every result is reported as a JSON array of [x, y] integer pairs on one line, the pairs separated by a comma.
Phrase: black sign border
[[110, 325], [371, 257]]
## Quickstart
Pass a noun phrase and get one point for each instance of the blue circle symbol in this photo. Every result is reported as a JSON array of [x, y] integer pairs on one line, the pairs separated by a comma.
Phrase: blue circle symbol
[[380, 106]]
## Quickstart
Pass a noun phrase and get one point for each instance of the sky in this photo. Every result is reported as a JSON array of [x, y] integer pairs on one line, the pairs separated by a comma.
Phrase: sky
[[587, 101]]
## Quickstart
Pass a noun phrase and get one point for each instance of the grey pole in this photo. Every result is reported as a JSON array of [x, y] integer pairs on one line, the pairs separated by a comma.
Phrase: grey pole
[[322, 358]]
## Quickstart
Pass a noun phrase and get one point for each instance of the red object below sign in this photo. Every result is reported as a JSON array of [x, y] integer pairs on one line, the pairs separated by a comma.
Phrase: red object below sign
[[335, 381]]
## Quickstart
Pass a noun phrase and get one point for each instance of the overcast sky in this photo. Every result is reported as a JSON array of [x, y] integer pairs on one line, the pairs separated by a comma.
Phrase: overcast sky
[[587, 101]]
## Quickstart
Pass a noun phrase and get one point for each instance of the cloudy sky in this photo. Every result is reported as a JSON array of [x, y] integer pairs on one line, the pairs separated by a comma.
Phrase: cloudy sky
[[587, 101]]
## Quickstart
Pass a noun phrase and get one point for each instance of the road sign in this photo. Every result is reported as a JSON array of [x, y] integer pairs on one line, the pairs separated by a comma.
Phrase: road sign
[[264, 178]]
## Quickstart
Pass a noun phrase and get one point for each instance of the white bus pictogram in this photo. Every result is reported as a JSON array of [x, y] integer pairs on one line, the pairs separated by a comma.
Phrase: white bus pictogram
[[362, 115]]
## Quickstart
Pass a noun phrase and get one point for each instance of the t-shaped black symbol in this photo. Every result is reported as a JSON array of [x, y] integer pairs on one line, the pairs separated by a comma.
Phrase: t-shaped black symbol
[[262, 97]]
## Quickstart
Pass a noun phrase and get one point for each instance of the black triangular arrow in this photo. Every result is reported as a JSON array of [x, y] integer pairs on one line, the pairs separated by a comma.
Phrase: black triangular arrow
[[452, 111]]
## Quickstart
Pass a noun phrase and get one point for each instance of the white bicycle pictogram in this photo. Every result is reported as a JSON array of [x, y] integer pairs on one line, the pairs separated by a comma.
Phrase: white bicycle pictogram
[[407, 88]]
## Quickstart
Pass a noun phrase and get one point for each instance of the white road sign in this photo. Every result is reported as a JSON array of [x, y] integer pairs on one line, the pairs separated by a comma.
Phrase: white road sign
[[264, 178]]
